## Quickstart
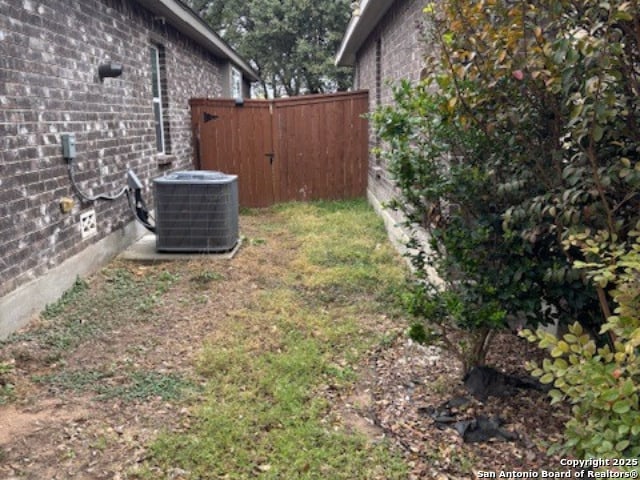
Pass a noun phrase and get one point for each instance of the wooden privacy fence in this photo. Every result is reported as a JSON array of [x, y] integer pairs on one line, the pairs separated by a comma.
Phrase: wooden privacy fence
[[302, 148]]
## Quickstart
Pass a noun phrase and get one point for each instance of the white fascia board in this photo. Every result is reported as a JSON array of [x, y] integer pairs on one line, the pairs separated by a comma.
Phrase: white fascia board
[[359, 28], [186, 21]]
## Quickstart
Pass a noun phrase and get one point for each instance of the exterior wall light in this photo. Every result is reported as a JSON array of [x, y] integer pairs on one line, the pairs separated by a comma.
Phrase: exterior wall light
[[109, 70]]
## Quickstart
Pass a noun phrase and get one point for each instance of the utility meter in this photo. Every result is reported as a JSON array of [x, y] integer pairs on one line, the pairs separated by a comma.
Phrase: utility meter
[[68, 146]]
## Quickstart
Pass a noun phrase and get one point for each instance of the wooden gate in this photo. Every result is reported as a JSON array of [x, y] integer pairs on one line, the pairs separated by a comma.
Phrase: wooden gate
[[303, 148]]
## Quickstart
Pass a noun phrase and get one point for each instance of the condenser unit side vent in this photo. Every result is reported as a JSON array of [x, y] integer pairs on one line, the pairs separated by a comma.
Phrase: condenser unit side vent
[[196, 212]]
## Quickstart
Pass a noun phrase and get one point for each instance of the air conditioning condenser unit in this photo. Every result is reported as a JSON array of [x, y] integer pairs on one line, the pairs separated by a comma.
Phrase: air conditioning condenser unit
[[196, 211]]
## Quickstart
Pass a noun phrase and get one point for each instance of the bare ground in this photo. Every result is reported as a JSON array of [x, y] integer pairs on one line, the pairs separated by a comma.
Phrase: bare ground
[[59, 433]]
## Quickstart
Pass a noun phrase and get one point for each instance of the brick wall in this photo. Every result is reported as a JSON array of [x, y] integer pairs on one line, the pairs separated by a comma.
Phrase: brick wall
[[49, 56], [393, 51]]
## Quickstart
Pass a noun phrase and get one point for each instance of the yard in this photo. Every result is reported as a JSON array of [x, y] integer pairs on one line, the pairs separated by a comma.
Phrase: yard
[[289, 361]]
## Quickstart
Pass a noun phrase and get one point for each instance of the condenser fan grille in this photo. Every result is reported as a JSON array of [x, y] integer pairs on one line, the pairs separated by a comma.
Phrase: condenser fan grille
[[196, 212]]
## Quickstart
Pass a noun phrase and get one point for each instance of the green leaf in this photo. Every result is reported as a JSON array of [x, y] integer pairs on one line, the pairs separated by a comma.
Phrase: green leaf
[[622, 445], [560, 364], [547, 378], [598, 132], [623, 16], [621, 406], [561, 348], [628, 387], [605, 447], [610, 395], [570, 338], [556, 396], [576, 329]]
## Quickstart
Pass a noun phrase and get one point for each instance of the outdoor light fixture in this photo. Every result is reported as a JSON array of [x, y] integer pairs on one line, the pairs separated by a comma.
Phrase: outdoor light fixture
[[109, 70], [239, 101]]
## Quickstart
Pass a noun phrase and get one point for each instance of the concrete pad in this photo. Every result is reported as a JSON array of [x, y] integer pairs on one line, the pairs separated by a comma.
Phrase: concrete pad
[[144, 250]]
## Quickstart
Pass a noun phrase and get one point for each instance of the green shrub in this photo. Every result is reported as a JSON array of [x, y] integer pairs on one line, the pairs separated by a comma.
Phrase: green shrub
[[601, 383], [523, 133]]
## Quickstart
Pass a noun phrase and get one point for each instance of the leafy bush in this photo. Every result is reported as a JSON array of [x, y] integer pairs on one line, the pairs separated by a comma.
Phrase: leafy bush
[[553, 88], [602, 384], [448, 190], [455, 174], [519, 154]]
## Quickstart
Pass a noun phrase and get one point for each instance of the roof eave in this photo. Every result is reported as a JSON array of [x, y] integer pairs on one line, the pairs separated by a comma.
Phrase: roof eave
[[359, 28], [186, 21]]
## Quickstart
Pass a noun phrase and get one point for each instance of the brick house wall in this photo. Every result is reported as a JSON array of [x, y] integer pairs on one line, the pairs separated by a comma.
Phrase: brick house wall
[[385, 43], [49, 86], [393, 51]]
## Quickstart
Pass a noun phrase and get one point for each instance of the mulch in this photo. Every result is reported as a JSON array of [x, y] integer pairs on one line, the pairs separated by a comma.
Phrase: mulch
[[410, 380]]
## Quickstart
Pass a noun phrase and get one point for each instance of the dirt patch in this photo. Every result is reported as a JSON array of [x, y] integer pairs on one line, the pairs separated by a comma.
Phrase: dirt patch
[[361, 418], [22, 422]]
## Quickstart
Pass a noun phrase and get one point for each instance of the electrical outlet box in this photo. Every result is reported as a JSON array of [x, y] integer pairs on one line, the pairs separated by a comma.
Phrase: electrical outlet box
[[68, 146]]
